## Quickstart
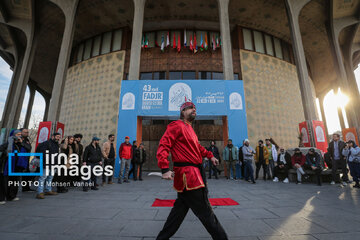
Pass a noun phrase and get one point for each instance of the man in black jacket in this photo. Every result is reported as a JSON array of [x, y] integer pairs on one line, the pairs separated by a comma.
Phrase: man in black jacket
[[313, 162], [283, 163], [338, 160], [139, 160], [52, 145], [212, 168], [92, 158]]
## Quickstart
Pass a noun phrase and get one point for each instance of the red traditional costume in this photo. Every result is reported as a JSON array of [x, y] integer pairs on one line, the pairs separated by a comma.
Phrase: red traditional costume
[[181, 140], [187, 153]]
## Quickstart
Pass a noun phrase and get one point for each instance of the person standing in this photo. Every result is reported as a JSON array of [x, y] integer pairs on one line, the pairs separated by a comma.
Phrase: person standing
[[313, 163], [213, 170], [248, 155], [9, 191], [298, 160], [125, 154], [272, 157], [27, 146], [45, 181], [190, 179], [139, 160], [335, 149], [230, 156], [109, 154], [79, 150], [283, 163], [66, 147], [262, 159], [352, 153], [134, 148], [92, 158]]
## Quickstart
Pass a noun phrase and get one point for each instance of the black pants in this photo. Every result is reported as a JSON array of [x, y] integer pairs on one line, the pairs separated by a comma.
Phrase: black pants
[[213, 169], [265, 169], [11, 188], [197, 200], [277, 170], [93, 177], [132, 170], [136, 167], [317, 172], [3, 187], [108, 162], [339, 164]]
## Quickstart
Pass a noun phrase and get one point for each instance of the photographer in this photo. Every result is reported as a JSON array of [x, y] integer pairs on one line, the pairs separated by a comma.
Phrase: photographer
[[8, 190], [352, 154]]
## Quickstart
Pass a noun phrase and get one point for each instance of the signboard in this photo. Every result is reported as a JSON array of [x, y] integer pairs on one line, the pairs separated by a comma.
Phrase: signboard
[[60, 128], [157, 98], [350, 134], [44, 132], [305, 136], [320, 136]]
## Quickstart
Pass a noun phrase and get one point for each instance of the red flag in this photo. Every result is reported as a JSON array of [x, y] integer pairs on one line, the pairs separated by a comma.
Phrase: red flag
[[174, 42], [195, 46], [179, 44], [191, 43]]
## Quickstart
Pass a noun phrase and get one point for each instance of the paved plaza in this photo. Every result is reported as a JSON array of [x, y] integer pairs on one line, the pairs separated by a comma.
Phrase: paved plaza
[[267, 210]]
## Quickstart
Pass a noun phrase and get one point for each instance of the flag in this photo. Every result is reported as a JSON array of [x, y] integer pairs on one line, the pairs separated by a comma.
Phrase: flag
[[191, 43], [185, 38], [174, 42], [195, 45], [201, 43], [206, 42], [179, 44], [167, 40], [146, 42], [162, 43], [213, 43]]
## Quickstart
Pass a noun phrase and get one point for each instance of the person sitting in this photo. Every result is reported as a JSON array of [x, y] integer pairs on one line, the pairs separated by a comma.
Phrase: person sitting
[[283, 164], [313, 163], [298, 161]]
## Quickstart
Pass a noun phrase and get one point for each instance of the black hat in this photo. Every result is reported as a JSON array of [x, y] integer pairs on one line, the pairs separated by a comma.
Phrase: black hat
[[297, 149]]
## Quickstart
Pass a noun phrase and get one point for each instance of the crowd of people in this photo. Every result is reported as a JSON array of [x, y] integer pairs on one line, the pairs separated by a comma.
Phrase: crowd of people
[[52, 183], [275, 162]]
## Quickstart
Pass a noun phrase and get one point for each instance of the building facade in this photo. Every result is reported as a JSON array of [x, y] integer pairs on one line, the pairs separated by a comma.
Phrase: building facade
[[77, 53]]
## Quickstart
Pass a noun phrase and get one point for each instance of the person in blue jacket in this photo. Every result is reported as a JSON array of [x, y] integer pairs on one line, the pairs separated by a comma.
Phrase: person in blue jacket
[[352, 154]]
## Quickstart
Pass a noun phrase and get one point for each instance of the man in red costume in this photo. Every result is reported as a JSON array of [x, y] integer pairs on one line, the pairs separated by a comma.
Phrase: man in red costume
[[189, 179]]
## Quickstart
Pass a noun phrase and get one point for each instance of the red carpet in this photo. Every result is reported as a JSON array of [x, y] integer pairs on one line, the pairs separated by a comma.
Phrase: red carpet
[[213, 201]]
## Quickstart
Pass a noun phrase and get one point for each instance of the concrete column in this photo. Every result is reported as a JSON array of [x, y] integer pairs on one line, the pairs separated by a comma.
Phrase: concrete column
[[343, 74], [47, 105], [69, 8], [29, 107], [9, 103], [226, 49], [322, 111], [134, 68], [293, 8]]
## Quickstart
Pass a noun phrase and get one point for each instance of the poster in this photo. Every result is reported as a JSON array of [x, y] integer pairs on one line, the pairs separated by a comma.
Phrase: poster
[[350, 134], [304, 130], [44, 132], [60, 128], [319, 135]]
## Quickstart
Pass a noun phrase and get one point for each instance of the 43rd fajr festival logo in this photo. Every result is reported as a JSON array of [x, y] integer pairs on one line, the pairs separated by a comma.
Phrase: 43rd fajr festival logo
[[60, 164]]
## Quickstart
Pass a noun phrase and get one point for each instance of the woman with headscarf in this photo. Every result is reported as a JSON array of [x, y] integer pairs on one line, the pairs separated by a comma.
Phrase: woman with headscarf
[[352, 153], [67, 147]]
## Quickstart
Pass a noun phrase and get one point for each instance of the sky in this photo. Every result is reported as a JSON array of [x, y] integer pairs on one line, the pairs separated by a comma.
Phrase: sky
[[39, 103]]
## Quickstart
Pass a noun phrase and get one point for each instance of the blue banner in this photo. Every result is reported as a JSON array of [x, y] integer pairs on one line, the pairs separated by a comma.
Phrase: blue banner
[[163, 98]]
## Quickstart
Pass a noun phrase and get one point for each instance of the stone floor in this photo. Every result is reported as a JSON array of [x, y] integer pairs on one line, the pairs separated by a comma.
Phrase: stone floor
[[267, 210]]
